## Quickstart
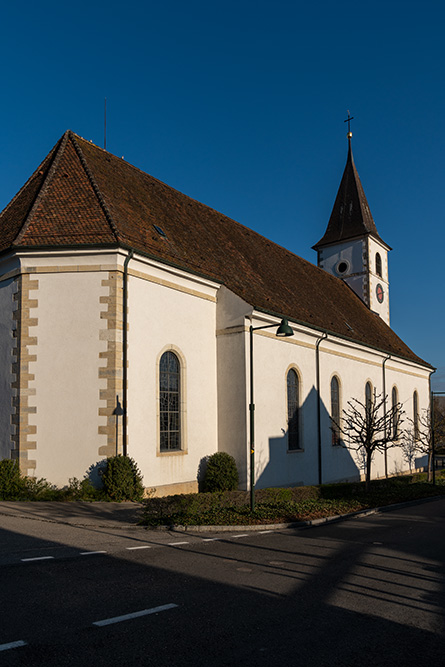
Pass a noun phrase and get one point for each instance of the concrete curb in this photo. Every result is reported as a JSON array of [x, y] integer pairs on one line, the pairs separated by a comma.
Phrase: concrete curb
[[295, 524]]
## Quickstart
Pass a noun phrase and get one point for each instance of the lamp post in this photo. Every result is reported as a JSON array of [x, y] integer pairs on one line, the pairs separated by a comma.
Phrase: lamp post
[[283, 331], [118, 412]]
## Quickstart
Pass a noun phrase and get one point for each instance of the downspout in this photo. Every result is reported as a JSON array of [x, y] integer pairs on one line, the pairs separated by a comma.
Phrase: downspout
[[125, 352], [384, 411], [433, 443], [317, 366]]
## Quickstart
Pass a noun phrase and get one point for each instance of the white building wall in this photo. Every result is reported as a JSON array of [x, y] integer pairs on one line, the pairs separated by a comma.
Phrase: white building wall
[[66, 374], [354, 366], [160, 318]]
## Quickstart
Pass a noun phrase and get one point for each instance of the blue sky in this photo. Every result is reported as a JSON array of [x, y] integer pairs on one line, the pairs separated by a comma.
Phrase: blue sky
[[241, 106]]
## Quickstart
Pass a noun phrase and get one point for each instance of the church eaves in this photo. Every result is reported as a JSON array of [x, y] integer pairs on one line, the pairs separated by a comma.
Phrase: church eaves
[[81, 196], [351, 216]]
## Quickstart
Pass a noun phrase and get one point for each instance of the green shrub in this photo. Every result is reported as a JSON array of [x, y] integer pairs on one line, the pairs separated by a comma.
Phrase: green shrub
[[122, 479], [221, 473], [10, 480], [39, 489]]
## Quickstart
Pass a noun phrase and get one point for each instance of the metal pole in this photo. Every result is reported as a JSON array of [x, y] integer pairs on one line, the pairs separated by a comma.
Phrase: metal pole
[[317, 372], [252, 427], [384, 413]]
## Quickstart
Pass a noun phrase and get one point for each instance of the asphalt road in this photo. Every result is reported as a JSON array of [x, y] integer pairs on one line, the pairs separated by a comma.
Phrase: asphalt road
[[366, 591]]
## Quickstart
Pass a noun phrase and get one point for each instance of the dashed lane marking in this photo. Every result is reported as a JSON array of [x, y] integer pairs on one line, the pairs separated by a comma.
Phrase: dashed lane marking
[[211, 539], [264, 532], [146, 546], [6, 647], [28, 560], [175, 544], [91, 553], [235, 537], [136, 614]]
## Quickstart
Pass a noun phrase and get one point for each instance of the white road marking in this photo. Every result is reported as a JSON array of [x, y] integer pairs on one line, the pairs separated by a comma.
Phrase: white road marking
[[90, 553], [264, 532], [28, 560], [6, 647], [211, 539], [175, 544], [235, 537], [146, 546], [136, 614]]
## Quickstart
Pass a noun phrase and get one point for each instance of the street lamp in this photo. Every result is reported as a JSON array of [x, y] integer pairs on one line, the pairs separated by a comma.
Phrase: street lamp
[[283, 331], [118, 411]]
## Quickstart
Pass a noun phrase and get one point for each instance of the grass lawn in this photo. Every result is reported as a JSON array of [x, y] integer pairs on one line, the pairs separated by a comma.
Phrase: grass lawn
[[286, 505]]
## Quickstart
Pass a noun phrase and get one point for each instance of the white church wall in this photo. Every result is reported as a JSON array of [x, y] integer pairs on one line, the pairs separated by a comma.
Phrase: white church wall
[[161, 318], [7, 306], [275, 464], [66, 373], [354, 366]]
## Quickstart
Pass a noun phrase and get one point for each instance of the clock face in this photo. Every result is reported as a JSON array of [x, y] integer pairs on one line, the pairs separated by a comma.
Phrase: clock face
[[379, 293]]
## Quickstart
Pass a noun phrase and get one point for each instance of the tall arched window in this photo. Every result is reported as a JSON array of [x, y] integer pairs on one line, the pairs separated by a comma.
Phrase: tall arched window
[[416, 415], [378, 264], [293, 410], [169, 409], [335, 411], [395, 412], [368, 400]]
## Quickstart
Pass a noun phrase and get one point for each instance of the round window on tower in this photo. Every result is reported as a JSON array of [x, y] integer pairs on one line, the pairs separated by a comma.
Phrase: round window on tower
[[342, 267]]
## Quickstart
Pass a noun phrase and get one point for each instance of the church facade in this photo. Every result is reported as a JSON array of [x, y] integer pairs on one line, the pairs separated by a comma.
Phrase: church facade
[[125, 315]]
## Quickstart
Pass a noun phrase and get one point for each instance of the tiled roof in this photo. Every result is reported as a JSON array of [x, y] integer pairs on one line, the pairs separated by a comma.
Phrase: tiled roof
[[83, 196], [351, 216]]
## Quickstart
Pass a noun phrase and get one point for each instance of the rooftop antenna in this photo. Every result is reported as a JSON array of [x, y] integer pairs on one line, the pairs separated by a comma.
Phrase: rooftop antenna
[[348, 121], [105, 124]]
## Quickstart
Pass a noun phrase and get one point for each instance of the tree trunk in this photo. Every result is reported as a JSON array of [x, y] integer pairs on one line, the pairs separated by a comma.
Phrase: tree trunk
[[368, 471], [430, 466]]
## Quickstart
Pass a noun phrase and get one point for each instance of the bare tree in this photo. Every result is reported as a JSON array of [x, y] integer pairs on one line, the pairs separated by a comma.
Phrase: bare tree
[[368, 427], [422, 430], [409, 447]]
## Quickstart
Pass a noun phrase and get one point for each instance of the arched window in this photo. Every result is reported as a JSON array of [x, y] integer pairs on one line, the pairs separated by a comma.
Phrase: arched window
[[368, 400], [416, 415], [395, 412], [335, 411], [378, 264], [169, 409], [293, 410]]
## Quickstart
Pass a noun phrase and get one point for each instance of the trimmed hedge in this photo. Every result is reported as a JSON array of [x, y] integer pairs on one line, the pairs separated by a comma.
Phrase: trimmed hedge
[[221, 473]]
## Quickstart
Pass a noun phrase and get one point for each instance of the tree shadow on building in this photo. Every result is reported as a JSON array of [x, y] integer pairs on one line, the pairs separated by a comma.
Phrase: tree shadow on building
[[301, 466]]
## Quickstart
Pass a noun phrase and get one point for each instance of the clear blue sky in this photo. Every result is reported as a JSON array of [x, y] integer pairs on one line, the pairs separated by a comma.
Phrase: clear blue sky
[[241, 106]]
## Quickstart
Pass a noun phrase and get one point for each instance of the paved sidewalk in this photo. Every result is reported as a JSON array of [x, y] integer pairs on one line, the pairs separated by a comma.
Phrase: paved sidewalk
[[99, 514]]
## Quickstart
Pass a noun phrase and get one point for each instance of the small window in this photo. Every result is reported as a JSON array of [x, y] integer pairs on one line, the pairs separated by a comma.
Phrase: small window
[[378, 264], [169, 395], [335, 411], [395, 412], [416, 415], [293, 410]]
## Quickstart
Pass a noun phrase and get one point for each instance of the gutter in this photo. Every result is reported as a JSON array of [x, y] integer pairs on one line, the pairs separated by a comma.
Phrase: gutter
[[317, 372], [384, 411], [125, 352]]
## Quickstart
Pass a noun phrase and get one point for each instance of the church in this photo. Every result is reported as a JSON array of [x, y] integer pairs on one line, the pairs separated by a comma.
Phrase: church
[[137, 320]]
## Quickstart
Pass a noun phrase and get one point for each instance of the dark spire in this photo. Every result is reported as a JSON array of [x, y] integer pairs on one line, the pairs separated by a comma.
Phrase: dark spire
[[351, 216]]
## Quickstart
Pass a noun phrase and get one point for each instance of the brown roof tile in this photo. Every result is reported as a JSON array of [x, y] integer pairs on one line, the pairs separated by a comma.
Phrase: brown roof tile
[[82, 195]]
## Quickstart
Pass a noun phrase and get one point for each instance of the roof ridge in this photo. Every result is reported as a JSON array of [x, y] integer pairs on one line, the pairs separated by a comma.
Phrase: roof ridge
[[94, 185], [43, 188]]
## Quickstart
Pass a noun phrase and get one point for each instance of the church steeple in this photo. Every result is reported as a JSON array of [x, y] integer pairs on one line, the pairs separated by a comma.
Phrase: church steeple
[[351, 247]]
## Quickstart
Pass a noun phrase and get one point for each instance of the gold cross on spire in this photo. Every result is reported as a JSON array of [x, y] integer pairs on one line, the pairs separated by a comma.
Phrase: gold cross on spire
[[348, 121]]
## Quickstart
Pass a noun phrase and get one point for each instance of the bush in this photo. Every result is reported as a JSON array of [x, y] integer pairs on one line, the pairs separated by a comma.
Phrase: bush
[[221, 473], [10, 480], [122, 479]]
